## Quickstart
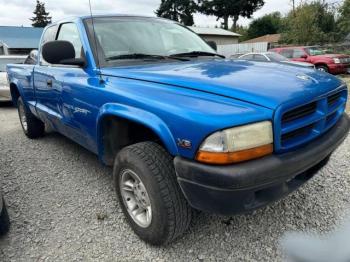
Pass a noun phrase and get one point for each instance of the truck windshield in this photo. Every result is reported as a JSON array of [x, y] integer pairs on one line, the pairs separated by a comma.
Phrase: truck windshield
[[120, 38]]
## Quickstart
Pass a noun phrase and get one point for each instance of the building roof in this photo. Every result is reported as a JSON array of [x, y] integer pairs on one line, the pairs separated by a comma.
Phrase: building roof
[[213, 31], [266, 38], [20, 37]]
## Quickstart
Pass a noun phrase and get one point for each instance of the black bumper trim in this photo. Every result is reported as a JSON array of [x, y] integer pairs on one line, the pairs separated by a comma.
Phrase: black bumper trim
[[236, 188]]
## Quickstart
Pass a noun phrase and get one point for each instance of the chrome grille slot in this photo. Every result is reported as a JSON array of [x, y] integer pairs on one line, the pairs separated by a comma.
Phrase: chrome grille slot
[[333, 99], [299, 112], [296, 133]]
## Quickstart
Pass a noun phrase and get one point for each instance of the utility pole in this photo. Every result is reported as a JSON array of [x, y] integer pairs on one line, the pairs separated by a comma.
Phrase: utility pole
[[293, 2]]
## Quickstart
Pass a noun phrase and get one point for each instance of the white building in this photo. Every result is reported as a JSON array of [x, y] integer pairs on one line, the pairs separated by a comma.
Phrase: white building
[[218, 35]]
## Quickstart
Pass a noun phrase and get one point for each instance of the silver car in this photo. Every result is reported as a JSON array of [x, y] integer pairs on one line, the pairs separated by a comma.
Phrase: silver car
[[5, 94], [273, 57], [4, 218]]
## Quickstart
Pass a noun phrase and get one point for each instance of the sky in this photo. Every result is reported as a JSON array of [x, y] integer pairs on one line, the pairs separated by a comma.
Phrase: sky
[[18, 12]]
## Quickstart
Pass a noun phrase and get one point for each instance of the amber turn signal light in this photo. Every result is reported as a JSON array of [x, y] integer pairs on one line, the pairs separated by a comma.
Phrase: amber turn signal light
[[223, 158]]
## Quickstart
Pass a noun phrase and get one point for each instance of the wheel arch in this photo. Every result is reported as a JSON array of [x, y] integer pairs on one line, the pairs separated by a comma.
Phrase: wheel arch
[[15, 93], [122, 119], [321, 64]]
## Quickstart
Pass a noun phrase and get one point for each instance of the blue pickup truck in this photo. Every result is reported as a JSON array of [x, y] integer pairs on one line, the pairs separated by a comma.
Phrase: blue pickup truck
[[183, 127]]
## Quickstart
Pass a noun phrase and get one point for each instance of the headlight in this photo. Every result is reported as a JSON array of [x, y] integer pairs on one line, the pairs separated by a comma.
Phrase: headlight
[[237, 144], [336, 60]]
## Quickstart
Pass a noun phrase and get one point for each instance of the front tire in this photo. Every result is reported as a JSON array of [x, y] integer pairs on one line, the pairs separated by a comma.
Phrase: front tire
[[4, 220], [322, 68], [148, 192], [32, 126]]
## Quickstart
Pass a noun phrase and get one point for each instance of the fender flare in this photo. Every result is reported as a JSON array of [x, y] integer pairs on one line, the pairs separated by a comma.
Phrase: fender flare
[[139, 116]]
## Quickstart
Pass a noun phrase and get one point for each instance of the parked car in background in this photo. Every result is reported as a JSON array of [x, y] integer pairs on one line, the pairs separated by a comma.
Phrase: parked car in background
[[4, 87], [4, 218], [332, 63], [273, 57], [236, 56]]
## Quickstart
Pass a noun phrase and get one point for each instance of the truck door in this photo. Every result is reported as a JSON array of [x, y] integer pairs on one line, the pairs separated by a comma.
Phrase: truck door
[[72, 86], [46, 88]]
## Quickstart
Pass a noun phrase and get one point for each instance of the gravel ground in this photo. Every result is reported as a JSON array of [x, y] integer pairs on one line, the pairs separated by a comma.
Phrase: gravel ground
[[347, 80], [63, 208]]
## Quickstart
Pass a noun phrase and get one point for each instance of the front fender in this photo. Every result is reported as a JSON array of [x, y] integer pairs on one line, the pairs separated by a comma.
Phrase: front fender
[[139, 116]]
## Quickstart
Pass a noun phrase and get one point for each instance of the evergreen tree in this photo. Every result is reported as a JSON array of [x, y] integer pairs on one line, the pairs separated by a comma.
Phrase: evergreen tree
[[178, 10], [344, 19], [226, 9], [41, 18]]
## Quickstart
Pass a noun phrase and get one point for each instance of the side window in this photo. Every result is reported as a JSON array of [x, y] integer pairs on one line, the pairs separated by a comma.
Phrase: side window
[[298, 53], [69, 32], [49, 35], [260, 58], [287, 53]]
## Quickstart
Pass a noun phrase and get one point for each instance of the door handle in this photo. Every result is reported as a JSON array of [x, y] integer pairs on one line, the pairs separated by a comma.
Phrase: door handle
[[49, 83]]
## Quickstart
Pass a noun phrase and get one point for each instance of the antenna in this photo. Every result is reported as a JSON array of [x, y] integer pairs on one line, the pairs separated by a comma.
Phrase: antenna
[[95, 40]]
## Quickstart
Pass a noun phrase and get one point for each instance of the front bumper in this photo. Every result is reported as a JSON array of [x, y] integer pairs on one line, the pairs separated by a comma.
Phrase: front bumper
[[250, 185], [5, 94], [338, 68]]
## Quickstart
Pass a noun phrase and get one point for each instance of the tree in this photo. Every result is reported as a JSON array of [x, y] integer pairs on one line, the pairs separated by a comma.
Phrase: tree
[[230, 9], [41, 18], [311, 23], [178, 10], [268, 24], [344, 19]]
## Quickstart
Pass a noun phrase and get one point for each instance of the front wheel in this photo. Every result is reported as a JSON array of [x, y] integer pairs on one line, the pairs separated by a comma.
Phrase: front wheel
[[151, 199], [4, 219], [32, 126], [322, 68]]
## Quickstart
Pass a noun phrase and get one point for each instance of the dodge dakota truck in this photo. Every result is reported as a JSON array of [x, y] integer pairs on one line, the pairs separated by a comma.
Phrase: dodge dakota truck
[[183, 128]]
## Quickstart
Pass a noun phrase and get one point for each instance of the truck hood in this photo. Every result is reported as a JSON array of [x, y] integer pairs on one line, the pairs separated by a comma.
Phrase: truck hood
[[265, 84]]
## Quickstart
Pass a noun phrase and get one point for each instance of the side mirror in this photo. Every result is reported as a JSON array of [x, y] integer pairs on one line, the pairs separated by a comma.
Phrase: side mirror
[[213, 45], [61, 53], [304, 56]]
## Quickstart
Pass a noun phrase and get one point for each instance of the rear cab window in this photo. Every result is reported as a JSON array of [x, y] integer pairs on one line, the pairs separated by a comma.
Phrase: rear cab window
[[298, 53], [69, 32], [287, 53]]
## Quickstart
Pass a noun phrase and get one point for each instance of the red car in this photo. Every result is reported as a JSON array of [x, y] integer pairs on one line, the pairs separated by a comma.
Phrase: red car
[[332, 63]]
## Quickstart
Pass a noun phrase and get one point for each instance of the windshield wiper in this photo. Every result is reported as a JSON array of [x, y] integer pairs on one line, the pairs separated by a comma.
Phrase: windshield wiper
[[196, 54], [143, 56]]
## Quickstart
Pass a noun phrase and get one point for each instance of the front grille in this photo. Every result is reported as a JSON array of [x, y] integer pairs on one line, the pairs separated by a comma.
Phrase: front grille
[[304, 123], [345, 60]]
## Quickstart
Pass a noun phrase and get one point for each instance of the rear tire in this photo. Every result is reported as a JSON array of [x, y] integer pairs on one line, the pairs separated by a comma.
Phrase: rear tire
[[322, 68], [4, 220], [153, 166], [32, 126]]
